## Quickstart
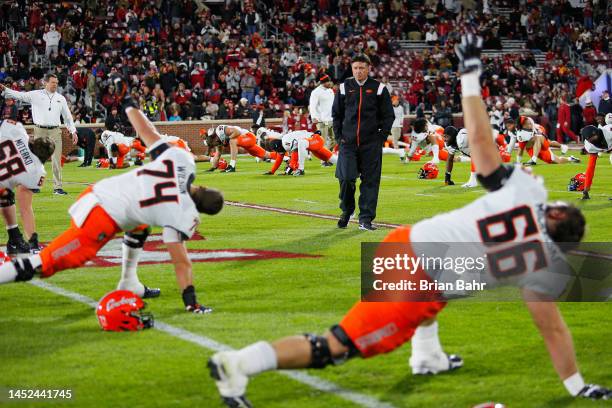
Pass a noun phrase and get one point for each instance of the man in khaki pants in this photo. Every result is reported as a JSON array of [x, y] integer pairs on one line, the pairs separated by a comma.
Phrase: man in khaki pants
[[320, 108], [47, 107]]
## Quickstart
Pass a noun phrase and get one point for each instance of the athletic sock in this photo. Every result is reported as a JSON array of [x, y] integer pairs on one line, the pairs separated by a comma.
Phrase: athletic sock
[[435, 151], [426, 341], [233, 163], [129, 266], [257, 358]]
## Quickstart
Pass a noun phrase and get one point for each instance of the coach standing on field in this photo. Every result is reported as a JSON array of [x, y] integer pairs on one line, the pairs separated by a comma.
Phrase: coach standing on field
[[363, 116], [47, 107]]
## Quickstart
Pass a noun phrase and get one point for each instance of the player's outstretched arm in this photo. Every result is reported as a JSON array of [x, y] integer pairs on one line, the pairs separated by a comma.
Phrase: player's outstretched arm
[[141, 124], [484, 152], [558, 340]]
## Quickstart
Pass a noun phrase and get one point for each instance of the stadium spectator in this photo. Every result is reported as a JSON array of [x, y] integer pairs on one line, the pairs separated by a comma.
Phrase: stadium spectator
[[605, 103], [52, 39], [589, 114]]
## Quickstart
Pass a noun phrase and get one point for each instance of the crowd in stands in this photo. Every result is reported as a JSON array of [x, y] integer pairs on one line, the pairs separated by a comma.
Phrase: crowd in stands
[[185, 60]]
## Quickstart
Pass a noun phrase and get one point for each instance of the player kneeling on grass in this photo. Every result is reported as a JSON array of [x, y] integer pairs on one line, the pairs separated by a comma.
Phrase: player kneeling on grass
[[597, 140], [429, 138], [118, 147], [235, 137], [298, 143], [458, 141], [24, 172], [373, 328], [531, 137], [159, 193]]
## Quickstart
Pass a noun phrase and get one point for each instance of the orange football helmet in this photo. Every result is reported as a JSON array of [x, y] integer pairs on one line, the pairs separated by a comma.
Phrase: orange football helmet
[[121, 310]]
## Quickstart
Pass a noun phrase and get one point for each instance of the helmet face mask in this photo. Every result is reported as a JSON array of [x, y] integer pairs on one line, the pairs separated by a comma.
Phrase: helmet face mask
[[428, 171], [577, 182]]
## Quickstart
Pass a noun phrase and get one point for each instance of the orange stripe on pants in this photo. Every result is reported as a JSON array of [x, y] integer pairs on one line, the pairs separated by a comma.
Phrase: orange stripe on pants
[[78, 245], [381, 327]]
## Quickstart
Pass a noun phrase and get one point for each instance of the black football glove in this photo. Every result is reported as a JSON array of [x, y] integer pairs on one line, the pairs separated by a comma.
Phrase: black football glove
[[468, 53], [585, 195], [595, 392], [122, 87], [268, 173], [191, 303], [211, 169], [447, 179]]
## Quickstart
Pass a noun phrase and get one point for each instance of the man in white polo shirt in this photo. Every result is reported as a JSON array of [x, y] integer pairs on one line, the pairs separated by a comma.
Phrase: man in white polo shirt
[[47, 107], [320, 107]]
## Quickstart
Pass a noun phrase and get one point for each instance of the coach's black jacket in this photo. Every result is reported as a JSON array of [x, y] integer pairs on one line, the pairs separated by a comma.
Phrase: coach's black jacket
[[362, 114]]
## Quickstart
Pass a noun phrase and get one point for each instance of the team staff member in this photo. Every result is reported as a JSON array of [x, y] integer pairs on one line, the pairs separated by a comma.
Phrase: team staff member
[[47, 107], [86, 141], [362, 116], [320, 108]]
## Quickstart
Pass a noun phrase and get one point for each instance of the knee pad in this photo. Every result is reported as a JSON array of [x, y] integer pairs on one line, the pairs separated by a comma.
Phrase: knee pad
[[136, 239], [25, 271], [7, 199]]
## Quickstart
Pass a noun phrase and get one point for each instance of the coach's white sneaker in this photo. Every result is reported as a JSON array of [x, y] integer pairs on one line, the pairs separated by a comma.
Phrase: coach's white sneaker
[[231, 382], [564, 148], [434, 363], [470, 184]]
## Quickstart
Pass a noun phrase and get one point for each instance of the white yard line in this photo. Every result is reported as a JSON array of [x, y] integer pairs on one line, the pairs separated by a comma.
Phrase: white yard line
[[298, 212], [316, 383]]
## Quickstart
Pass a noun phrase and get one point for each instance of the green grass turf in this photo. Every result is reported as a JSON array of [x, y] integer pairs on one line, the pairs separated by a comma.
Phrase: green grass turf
[[49, 341]]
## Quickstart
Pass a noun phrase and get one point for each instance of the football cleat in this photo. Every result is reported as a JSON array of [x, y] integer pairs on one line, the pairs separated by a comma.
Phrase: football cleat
[[326, 164], [367, 226], [288, 171], [574, 159], [198, 309], [34, 245], [595, 392], [298, 173], [530, 163], [150, 293], [470, 184], [435, 364], [231, 382], [564, 148], [230, 169], [17, 247], [59, 191]]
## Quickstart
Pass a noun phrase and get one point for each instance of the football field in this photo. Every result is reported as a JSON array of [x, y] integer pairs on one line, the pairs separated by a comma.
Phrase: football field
[[269, 272]]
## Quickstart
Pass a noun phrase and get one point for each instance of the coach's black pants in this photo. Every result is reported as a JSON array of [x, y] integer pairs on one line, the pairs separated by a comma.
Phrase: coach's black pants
[[365, 162], [88, 143]]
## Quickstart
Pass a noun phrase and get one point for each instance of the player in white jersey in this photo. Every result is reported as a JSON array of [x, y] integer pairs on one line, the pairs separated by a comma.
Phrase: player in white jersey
[[372, 328], [235, 137], [159, 193], [299, 143], [22, 172], [457, 141], [118, 147], [429, 138], [597, 140]]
